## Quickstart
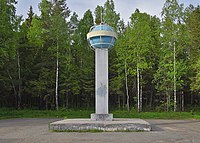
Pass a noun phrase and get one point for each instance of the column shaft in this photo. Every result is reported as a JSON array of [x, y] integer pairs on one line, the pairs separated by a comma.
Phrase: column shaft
[[101, 80]]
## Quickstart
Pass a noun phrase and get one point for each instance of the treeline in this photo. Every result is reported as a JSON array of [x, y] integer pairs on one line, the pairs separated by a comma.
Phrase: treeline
[[46, 62]]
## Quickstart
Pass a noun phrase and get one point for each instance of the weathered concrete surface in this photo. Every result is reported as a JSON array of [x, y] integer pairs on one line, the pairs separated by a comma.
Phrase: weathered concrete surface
[[102, 117], [112, 126], [36, 131], [101, 81]]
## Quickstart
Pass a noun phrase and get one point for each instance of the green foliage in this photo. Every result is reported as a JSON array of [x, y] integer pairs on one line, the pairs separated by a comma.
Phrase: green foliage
[[196, 80], [194, 33], [146, 46], [172, 66], [35, 32], [9, 36], [9, 24], [99, 14], [140, 40], [110, 16]]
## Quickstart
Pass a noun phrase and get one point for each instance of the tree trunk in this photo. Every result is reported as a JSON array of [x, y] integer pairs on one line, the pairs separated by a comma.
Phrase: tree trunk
[[57, 70], [167, 103], [13, 86], [175, 98], [138, 88], [66, 101], [141, 94], [192, 99], [119, 102], [151, 99], [68, 98], [46, 101], [182, 103], [168, 100], [123, 101], [127, 94], [19, 80]]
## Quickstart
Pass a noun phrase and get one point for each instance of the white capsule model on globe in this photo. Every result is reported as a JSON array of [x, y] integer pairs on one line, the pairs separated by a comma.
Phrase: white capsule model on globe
[[101, 37]]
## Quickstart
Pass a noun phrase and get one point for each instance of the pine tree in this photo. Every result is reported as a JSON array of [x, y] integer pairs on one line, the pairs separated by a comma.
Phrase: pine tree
[[111, 17], [84, 60], [99, 14]]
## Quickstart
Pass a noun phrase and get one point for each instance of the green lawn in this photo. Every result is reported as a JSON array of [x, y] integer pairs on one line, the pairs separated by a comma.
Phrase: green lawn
[[11, 113], [157, 115]]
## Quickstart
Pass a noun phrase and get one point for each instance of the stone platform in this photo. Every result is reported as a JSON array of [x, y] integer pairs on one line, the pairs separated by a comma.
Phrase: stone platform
[[117, 125]]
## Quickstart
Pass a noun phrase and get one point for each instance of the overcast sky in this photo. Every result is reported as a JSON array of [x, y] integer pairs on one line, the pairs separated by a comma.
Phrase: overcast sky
[[124, 7]]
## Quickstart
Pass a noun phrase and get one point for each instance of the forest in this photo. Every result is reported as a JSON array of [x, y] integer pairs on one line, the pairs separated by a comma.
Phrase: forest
[[47, 64]]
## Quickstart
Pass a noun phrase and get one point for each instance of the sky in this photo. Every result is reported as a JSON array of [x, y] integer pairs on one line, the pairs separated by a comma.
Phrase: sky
[[124, 7]]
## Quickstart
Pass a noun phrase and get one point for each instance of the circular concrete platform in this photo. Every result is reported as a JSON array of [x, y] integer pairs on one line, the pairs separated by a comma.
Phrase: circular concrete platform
[[117, 125]]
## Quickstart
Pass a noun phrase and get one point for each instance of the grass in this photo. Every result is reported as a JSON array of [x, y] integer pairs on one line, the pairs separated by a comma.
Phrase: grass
[[27, 113], [67, 114], [157, 115]]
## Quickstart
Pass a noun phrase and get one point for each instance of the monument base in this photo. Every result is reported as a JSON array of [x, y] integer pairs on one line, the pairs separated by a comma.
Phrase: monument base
[[117, 125], [101, 117]]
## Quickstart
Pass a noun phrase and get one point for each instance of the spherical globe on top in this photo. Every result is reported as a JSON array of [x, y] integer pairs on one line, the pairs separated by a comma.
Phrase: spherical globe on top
[[101, 36]]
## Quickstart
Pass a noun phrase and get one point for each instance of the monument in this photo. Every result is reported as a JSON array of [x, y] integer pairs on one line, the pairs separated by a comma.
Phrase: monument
[[101, 37]]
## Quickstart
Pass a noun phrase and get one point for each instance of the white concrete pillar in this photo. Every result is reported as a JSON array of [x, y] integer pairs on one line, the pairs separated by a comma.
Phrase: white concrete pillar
[[101, 81], [101, 86]]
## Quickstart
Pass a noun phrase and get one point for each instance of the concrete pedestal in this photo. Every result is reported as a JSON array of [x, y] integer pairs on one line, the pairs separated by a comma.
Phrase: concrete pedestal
[[117, 125]]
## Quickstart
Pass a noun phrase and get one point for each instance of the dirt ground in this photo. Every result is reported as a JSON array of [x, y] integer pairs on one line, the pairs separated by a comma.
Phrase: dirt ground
[[36, 131]]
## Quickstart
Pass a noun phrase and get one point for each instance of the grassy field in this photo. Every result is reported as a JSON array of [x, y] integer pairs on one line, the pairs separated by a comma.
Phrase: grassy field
[[11, 113]]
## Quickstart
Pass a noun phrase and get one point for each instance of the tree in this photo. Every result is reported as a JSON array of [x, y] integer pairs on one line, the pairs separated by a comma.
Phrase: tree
[[195, 86], [111, 17], [99, 14], [133, 49], [60, 12], [153, 57], [141, 43], [194, 33], [46, 62], [50, 32], [84, 61], [171, 69], [9, 25], [122, 66]]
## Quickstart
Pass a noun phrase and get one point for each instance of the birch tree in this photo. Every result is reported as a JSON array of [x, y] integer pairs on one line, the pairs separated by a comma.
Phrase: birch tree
[[122, 66], [60, 12], [171, 77], [141, 41]]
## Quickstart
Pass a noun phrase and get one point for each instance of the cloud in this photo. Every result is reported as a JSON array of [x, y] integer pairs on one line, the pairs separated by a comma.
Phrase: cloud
[[23, 7], [127, 7], [124, 7], [81, 6]]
